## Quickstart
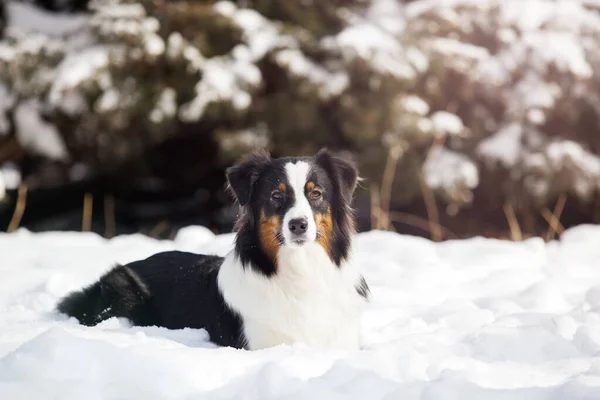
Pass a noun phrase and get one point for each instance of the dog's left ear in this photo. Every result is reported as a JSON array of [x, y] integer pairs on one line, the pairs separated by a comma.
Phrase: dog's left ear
[[343, 167], [242, 176]]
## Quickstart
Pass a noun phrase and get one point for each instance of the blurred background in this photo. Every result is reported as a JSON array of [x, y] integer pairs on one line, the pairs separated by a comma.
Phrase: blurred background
[[466, 117]]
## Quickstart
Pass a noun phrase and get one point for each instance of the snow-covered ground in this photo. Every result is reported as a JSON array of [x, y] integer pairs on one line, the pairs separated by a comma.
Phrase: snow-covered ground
[[472, 319]]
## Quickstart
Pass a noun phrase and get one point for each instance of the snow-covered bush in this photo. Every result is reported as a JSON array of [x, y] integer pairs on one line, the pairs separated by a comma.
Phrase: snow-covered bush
[[506, 89]]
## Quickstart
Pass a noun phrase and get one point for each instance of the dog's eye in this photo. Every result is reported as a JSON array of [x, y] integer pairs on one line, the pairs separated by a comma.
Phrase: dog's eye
[[315, 194], [276, 196]]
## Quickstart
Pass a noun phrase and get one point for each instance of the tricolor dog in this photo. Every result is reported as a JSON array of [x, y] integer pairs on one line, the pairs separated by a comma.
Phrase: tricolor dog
[[290, 277]]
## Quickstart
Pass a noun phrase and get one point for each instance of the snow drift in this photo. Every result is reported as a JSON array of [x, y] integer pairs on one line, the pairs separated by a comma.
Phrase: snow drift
[[470, 319]]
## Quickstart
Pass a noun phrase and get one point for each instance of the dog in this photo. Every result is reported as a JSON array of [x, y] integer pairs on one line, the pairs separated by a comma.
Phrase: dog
[[290, 277]]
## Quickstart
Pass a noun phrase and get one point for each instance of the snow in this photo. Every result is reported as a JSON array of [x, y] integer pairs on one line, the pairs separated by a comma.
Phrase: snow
[[10, 173], [7, 53], [155, 46], [226, 8], [532, 15], [329, 84], [192, 55], [528, 28], [108, 101], [76, 68], [224, 79], [569, 155], [28, 17], [129, 22], [417, 59], [458, 55], [469, 319], [536, 116], [37, 135], [233, 77], [366, 39], [452, 172], [30, 44], [415, 105], [569, 151], [527, 16], [445, 123], [119, 10], [166, 106], [565, 163], [455, 48], [535, 94], [566, 52], [503, 146], [418, 8], [386, 14], [260, 34], [371, 43], [255, 138]]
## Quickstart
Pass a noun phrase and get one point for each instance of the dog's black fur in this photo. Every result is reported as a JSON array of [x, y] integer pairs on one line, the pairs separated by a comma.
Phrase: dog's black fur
[[172, 289]]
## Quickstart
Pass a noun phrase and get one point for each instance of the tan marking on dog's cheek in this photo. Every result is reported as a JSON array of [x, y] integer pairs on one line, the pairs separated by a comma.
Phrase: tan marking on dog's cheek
[[269, 229], [325, 230], [282, 187]]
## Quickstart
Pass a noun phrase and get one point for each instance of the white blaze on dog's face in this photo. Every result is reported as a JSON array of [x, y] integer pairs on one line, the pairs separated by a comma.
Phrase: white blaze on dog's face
[[292, 202], [299, 225]]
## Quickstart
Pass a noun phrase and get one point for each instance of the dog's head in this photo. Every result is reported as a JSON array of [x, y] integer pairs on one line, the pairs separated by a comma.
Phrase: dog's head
[[291, 202]]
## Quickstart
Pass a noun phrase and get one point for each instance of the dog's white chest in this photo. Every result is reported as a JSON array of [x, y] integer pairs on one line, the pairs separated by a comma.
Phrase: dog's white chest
[[309, 300]]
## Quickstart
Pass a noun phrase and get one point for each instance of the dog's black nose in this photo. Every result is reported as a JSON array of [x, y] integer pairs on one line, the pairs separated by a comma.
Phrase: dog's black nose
[[298, 226]]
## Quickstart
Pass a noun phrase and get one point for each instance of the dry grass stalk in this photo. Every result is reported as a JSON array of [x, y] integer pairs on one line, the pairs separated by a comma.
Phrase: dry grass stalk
[[109, 216], [387, 182], [158, 229], [513, 223], [556, 226], [15, 221], [385, 221], [553, 218], [86, 219], [430, 204], [432, 211], [375, 209]]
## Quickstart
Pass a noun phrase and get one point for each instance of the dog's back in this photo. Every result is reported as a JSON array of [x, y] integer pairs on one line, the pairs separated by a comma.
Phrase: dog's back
[[173, 289]]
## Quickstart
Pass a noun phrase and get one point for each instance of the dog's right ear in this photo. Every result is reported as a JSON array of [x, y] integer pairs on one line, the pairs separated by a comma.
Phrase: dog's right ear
[[343, 167], [243, 175]]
